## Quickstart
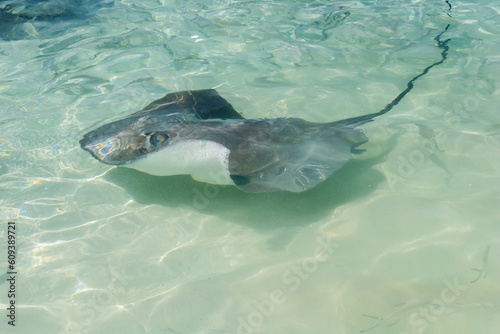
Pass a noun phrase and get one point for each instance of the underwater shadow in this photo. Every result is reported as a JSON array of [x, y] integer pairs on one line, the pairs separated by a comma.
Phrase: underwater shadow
[[27, 19], [261, 211]]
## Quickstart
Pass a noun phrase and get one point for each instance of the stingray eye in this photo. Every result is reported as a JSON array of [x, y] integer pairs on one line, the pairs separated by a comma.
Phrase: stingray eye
[[157, 139]]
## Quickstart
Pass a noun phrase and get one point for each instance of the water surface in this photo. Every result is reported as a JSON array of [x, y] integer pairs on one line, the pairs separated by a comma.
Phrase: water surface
[[403, 239]]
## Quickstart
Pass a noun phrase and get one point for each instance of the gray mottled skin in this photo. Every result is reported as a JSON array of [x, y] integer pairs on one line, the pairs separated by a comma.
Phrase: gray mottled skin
[[265, 154]]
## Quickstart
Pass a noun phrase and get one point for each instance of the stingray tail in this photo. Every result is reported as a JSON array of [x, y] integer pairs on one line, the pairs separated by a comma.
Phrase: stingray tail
[[442, 44]]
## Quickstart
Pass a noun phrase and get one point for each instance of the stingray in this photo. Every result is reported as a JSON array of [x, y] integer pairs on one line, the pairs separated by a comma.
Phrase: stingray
[[200, 134]]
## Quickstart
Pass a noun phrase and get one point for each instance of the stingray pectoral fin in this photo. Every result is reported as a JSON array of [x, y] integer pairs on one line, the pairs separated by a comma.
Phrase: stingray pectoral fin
[[294, 179], [302, 167], [240, 181], [200, 104]]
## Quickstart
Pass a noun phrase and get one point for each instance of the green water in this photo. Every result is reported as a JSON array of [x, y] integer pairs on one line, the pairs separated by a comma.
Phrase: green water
[[403, 239]]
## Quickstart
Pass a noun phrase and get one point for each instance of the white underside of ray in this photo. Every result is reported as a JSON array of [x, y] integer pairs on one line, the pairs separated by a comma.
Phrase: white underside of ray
[[204, 160]]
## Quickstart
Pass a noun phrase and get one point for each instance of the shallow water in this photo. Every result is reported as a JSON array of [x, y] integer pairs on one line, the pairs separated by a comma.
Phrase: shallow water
[[403, 239]]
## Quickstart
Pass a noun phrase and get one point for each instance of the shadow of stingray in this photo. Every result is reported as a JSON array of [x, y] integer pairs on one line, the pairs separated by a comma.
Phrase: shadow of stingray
[[261, 211]]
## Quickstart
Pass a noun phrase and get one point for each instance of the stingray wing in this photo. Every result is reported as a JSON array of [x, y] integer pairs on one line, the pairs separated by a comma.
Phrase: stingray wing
[[199, 104], [116, 143], [293, 162]]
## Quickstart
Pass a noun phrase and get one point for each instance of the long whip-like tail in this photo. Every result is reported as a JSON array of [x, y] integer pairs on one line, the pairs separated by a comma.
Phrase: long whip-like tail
[[442, 44]]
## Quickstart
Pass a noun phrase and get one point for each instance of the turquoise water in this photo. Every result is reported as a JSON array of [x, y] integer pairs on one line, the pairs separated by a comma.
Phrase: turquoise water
[[403, 239]]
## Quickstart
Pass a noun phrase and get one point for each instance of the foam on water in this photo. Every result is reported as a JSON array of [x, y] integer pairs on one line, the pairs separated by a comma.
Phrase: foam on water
[[404, 239]]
